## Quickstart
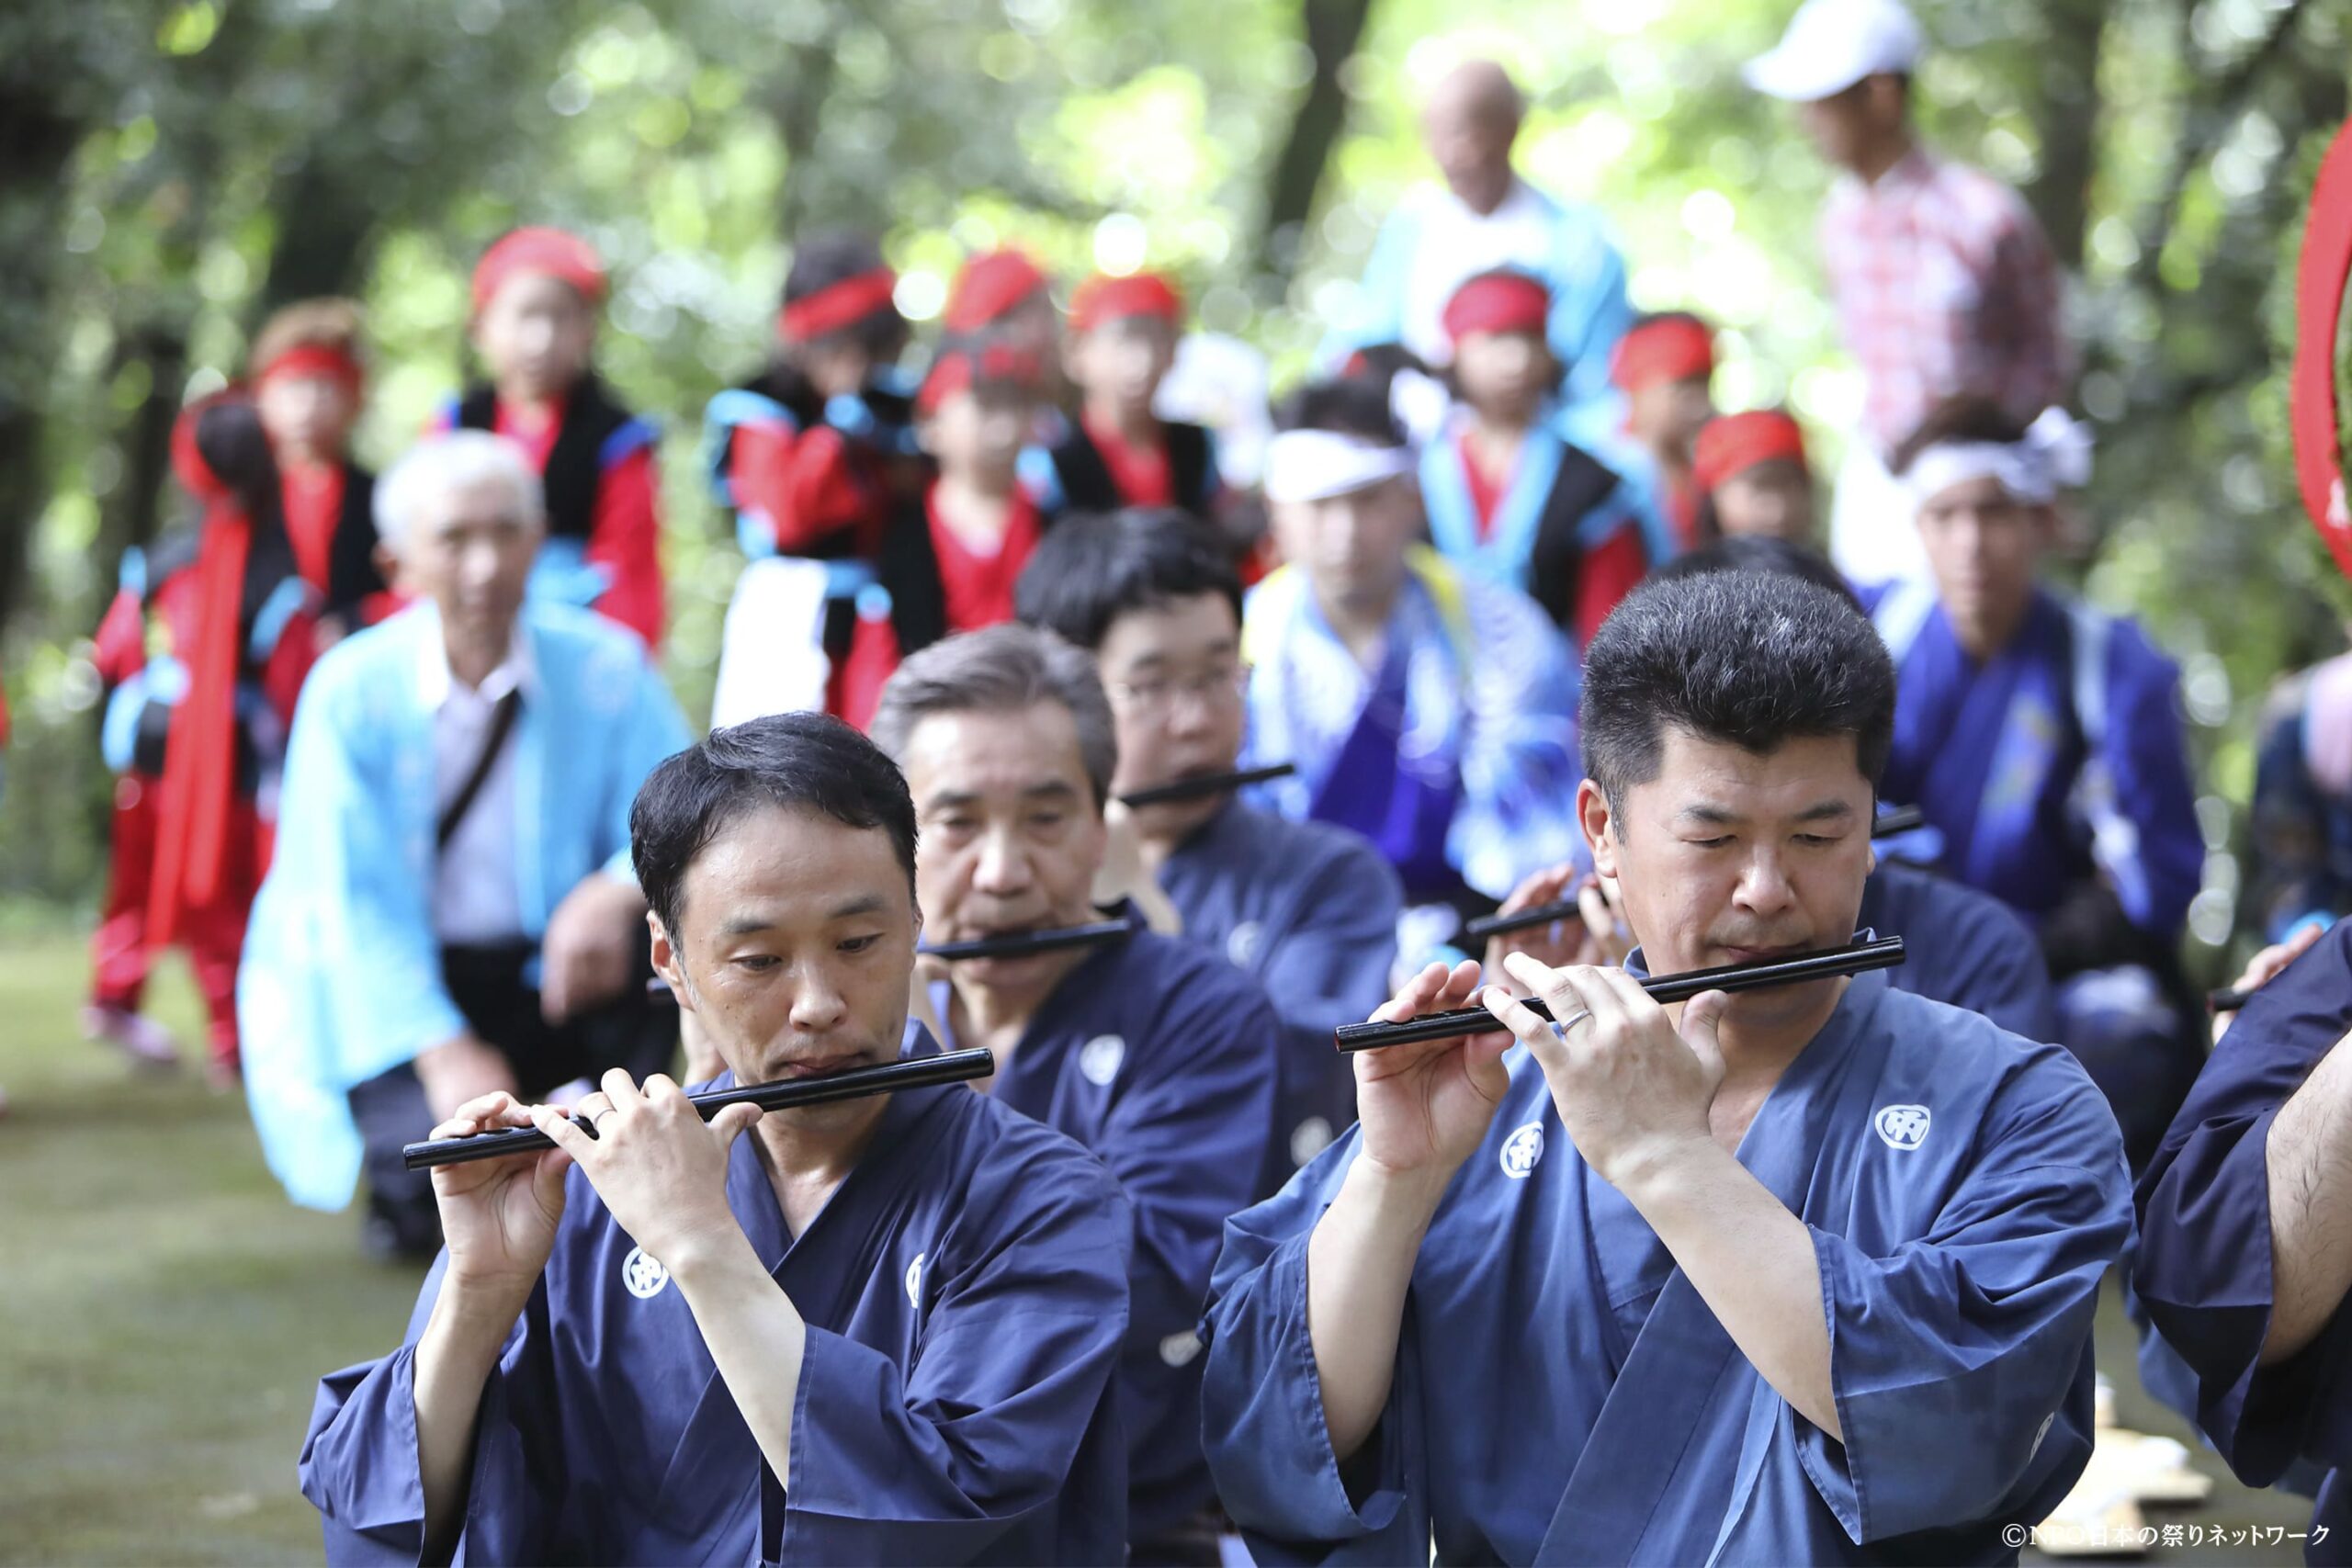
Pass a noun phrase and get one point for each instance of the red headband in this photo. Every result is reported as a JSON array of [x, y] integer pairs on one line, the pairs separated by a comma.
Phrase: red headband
[[962, 370], [1674, 348], [839, 305], [1730, 444], [988, 289], [1496, 302], [2318, 310], [1102, 298], [550, 250], [319, 359]]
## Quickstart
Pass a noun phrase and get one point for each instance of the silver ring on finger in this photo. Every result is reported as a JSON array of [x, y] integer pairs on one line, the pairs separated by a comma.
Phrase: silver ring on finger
[[1560, 1029], [597, 1118]]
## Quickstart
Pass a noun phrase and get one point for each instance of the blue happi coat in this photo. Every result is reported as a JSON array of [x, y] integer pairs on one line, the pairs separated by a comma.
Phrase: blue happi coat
[[1164, 1061], [1456, 757], [1311, 911], [965, 1291], [341, 979], [1561, 1394], [2204, 1273]]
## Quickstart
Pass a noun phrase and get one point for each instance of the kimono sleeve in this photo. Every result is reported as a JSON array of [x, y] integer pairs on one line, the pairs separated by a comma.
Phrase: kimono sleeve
[[359, 1465], [1998, 968], [626, 536], [1192, 1141], [985, 1426], [341, 977], [1331, 963], [1520, 764], [2203, 1272], [1954, 1361], [2156, 874], [1262, 1401]]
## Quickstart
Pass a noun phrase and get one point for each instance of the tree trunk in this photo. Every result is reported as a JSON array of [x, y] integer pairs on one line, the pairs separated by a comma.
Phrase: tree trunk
[[2065, 111], [1333, 28], [37, 142], [325, 225]]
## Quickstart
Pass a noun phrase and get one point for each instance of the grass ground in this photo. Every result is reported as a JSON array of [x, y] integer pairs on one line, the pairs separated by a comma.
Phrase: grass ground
[[164, 1313]]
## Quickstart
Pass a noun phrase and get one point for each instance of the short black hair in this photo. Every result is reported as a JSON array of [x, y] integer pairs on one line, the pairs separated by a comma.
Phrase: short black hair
[[806, 762], [834, 256], [1753, 658], [1090, 568], [1352, 405], [1967, 418], [1753, 552]]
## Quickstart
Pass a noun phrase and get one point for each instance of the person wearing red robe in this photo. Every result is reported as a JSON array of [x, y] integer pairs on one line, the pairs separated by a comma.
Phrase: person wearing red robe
[[1665, 367], [815, 453], [536, 297], [307, 384], [1118, 452], [203, 650]]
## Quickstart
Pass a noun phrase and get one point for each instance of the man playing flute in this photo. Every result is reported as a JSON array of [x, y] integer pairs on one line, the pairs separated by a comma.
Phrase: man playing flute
[[1802, 1274], [1307, 907], [879, 1330], [1159, 1057]]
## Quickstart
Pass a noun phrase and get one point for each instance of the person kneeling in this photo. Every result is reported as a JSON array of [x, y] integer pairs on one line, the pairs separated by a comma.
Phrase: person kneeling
[[880, 1329], [1782, 1275]]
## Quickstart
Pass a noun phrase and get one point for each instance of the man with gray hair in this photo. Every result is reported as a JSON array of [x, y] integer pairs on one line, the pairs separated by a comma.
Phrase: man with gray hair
[[1484, 216], [1159, 1057], [451, 911]]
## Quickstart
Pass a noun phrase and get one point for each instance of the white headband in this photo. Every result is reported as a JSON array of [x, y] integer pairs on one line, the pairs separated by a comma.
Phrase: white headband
[[1316, 465], [2054, 453]]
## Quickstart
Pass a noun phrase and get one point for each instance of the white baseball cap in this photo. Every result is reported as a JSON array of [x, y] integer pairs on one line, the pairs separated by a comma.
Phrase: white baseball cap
[[1832, 44]]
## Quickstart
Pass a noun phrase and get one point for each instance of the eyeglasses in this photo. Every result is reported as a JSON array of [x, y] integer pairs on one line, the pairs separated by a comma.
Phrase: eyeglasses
[[1225, 683]]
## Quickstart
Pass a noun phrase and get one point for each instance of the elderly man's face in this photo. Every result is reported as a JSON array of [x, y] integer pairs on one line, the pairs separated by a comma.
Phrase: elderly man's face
[[1012, 835], [470, 550], [1468, 127]]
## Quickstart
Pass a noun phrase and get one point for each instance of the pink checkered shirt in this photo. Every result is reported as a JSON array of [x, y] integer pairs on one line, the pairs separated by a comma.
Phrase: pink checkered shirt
[[1943, 284]]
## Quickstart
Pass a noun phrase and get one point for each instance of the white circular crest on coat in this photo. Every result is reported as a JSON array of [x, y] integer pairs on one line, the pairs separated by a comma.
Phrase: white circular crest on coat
[[1100, 1057], [1241, 944], [914, 1280], [1901, 1127], [1522, 1150], [643, 1274], [1178, 1350]]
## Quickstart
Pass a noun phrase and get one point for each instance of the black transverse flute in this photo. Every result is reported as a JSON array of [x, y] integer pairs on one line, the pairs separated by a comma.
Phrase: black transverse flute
[[921, 1073], [1902, 819], [1851, 960], [1205, 783], [1021, 945]]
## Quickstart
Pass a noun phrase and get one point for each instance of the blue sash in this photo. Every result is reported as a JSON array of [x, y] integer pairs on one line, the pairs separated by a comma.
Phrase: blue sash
[[1507, 552]]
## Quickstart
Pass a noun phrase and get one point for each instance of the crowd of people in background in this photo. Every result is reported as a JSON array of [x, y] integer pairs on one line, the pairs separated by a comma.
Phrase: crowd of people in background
[[398, 771]]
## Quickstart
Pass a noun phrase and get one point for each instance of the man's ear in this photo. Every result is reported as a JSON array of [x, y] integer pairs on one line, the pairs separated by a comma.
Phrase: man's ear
[[387, 566], [1599, 824], [666, 962]]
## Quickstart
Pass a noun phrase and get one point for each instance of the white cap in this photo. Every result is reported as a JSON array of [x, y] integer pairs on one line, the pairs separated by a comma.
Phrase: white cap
[[1832, 44]]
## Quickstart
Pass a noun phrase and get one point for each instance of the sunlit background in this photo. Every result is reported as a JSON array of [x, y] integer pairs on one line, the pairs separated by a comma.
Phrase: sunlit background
[[176, 172]]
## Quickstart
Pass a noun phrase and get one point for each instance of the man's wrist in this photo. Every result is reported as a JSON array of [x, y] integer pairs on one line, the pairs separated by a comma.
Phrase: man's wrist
[[1661, 1169], [1397, 1199], [713, 1257]]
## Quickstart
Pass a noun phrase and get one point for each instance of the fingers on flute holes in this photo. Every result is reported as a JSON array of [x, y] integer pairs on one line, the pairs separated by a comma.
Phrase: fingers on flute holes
[[570, 1133], [618, 1085]]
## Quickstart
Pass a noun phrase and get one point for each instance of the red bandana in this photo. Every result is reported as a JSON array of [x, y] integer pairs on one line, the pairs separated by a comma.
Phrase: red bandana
[[550, 250], [1496, 302], [839, 305], [1730, 444], [1671, 349], [1102, 298]]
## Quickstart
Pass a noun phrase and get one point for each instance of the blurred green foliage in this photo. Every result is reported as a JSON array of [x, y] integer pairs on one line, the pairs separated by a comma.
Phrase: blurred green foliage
[[221, 156]]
